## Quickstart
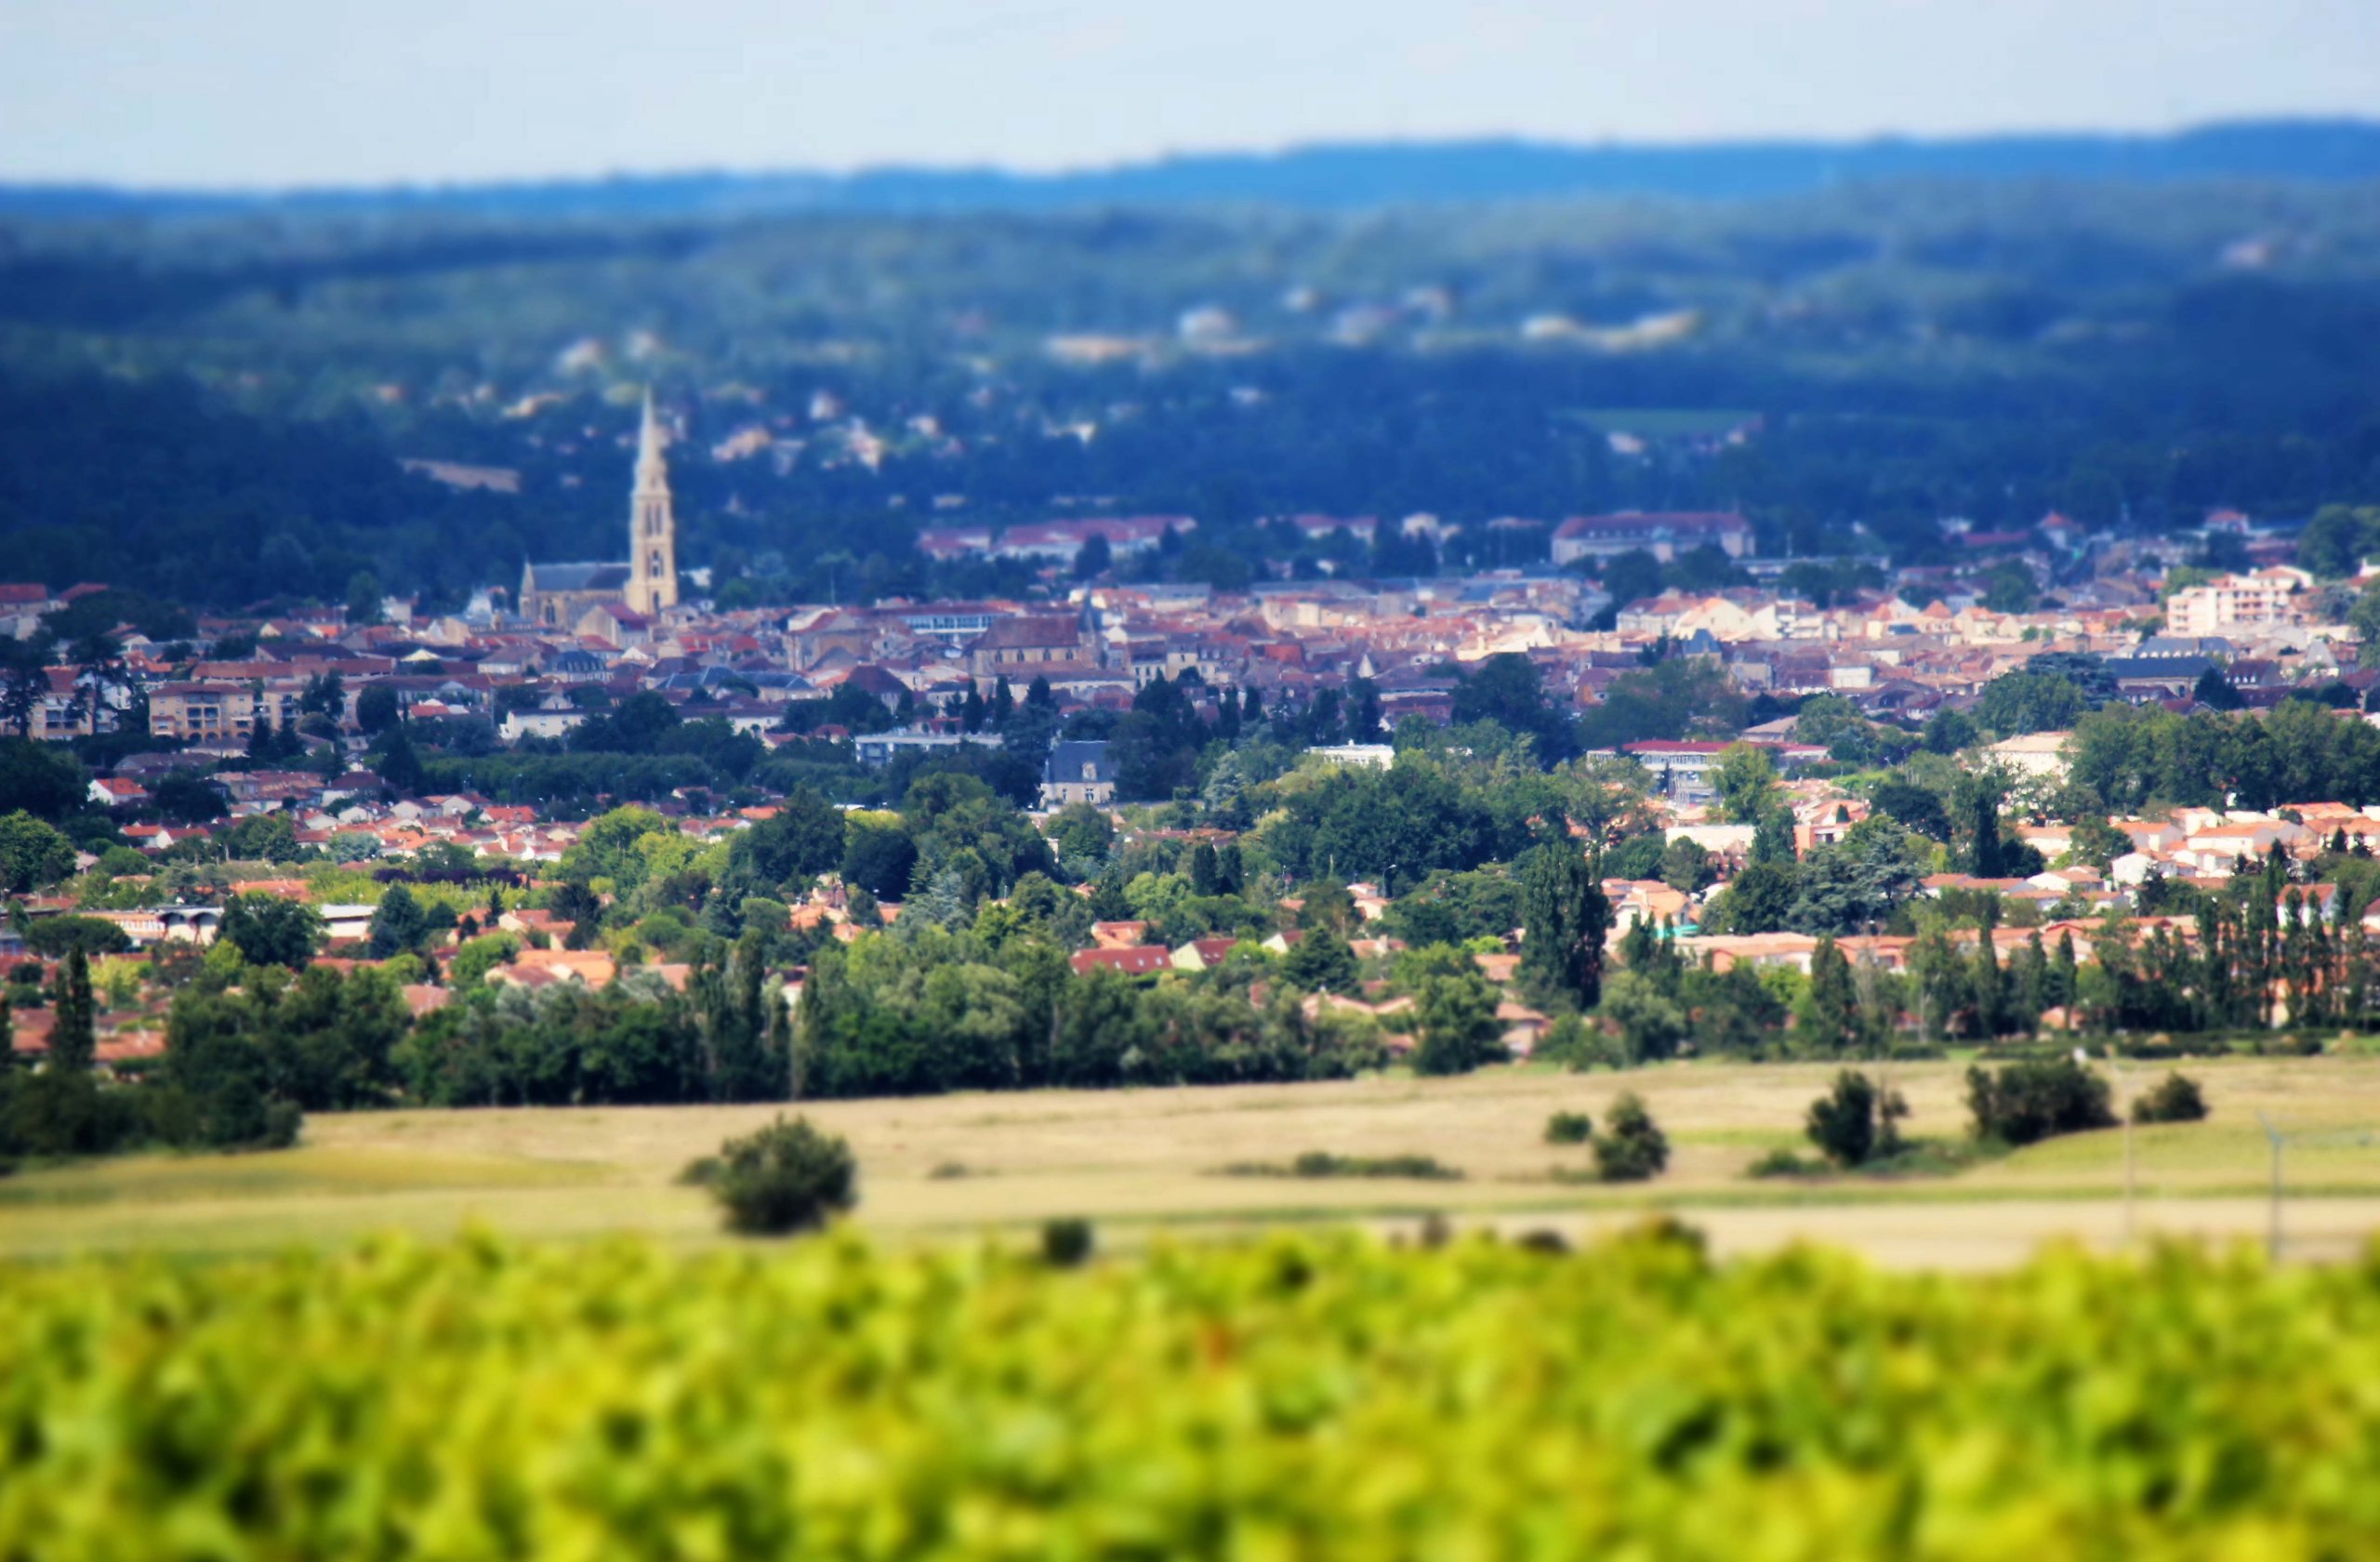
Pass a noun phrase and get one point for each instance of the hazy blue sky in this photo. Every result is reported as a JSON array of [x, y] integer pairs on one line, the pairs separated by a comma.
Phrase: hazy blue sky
[[317, 91]]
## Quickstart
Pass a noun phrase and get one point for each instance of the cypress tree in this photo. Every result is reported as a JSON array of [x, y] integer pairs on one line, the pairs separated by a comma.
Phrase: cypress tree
[[1988, 995], [2063, 977], [399, 924], [1829, 1020], [401, 768], [73, 1041], [1772, 837], [1206, 875], [1563, 915], [2027, 976]]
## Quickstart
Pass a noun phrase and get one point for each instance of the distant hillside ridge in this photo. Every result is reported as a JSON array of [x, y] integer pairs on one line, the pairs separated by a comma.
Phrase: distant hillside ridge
[[1325, 177]]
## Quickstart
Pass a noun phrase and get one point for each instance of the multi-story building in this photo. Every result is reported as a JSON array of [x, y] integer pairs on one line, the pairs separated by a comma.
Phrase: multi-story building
[[2265, 596], [200, 711], [1060, 541], [1664, 534], [1683, 771], [1025, 643]]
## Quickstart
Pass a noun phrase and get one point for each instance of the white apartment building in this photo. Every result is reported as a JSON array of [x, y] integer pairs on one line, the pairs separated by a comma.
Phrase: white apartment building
[[2265, 596]]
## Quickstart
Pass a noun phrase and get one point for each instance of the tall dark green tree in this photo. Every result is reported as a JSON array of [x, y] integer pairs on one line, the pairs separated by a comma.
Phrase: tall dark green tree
[[804, 838], [2064, 982], [1321, 961], [268, 930], [1829, 1021], [74, 1039], [1976, 809], [1564, 918], [1458, 1032], [400, 766], [399, 924]]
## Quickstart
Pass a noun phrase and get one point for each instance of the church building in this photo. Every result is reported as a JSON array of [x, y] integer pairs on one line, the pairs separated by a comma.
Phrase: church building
[[556, 596]]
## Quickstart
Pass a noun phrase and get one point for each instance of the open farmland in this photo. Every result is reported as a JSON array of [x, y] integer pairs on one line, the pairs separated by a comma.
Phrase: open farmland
[[1143, 1161]]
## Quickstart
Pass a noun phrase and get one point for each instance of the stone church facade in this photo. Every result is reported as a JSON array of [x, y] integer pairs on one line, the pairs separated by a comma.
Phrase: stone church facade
[[556, 596]]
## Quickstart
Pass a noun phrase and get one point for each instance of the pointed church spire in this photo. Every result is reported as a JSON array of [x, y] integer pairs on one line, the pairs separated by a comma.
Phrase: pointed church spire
[[650, 468], [653, 528]]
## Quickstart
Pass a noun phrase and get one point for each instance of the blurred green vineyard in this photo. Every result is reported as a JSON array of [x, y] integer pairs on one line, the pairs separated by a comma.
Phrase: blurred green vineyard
[[1308, 1396]]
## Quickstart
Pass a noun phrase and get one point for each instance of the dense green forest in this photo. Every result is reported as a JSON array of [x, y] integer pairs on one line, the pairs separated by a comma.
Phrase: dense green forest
[[210, 407]]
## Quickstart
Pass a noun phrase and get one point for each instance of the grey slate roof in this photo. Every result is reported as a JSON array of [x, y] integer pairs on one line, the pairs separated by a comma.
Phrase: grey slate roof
[[580, 576], [1067, 761]]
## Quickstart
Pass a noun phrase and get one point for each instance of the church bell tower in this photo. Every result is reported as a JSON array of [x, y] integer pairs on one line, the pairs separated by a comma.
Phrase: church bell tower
[[653, 530]]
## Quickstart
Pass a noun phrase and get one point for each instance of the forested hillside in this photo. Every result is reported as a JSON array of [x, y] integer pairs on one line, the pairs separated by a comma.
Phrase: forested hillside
[[212, 406], [1345, 175]]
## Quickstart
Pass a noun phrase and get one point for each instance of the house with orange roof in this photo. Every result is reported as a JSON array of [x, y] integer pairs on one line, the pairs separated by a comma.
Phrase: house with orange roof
[[1203, 954], [1146, 960], [593, 968]]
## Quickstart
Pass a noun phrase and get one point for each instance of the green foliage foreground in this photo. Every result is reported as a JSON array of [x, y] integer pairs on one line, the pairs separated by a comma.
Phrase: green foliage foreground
[[1304, 1397]]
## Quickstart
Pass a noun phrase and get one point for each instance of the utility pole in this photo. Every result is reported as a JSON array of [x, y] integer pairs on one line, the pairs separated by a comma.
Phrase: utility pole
[[2272, 1227], [2123, 1110]]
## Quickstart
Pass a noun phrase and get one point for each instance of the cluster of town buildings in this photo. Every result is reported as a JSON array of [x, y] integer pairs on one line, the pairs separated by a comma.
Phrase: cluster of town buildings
[[576, 637], [527, 662]]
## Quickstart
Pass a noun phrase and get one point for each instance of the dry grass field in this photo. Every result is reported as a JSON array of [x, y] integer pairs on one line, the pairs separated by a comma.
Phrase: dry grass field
[[1142, 1163]]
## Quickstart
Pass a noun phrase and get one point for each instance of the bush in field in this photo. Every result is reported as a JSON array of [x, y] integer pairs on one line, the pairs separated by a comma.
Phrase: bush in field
[[1631, 1148], [785, 1178], [2176, 1098], [2026, 1102], [1066, 1244], [1842, 1122], [1323, 1163], [1853, 1123], [1569, 1127]]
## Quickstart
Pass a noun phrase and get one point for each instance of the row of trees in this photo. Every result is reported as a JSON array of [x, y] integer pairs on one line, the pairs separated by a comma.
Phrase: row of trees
[[2259, 955], [937, 1021], [196, 1101], [635, 1042]]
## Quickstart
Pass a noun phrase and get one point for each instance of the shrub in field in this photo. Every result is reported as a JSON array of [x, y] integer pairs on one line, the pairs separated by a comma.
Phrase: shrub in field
[[1854, 1122], [1783, 1162], [1631, 1148], [1569, 1127], [1842, 1122], [785, 1178], [1322, 1163], [1066, 1244], [2176, 1098], [2026, 1102]]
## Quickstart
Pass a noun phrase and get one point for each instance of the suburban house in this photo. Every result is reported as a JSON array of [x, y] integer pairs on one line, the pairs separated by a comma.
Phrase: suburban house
[[1079, 771], [1143, 961]]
